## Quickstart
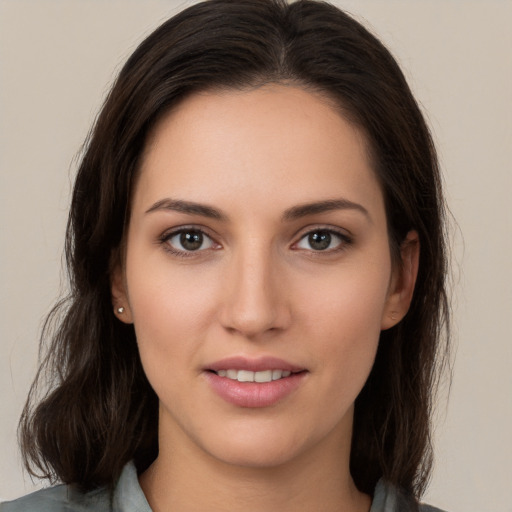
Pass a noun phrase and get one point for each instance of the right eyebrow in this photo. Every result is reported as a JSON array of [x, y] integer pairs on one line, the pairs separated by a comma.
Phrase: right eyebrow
[[188, 207], [315, 208]]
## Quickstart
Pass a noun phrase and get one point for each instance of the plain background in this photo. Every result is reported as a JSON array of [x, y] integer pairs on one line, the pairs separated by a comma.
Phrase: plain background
[[57, 60]]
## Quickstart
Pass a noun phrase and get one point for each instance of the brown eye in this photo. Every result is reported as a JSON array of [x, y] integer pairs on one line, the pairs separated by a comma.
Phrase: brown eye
[[189, 240], [322, 240]]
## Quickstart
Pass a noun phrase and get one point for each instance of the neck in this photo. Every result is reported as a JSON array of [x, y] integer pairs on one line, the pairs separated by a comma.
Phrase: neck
[[319, 479]]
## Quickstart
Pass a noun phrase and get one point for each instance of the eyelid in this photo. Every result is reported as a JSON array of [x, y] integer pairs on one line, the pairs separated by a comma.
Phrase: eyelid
[[346, 238], [168, 234]]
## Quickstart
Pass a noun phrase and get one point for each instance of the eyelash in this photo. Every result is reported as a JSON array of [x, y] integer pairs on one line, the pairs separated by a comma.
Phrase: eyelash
[[345, 241], [165, 238]]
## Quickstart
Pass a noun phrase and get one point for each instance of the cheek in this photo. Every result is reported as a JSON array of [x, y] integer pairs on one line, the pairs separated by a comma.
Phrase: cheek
[[348, 302], [344, 319], [171, 312]]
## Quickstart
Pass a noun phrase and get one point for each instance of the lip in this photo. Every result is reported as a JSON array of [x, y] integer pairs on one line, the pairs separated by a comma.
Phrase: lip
[[252, 394], [254, 365]]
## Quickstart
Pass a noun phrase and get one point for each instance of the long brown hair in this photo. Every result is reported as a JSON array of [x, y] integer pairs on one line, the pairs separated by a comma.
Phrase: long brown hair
[[98, 410]]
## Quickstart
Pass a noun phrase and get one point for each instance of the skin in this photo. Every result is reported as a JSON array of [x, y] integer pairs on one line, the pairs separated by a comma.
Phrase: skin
[[257, 287]]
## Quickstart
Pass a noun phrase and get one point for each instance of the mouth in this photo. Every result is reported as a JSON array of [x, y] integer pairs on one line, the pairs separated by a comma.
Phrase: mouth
[[261, 376], [254, 383]]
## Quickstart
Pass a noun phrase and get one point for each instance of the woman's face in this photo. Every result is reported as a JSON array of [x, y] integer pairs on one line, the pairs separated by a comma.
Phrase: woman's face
[[257, 249]]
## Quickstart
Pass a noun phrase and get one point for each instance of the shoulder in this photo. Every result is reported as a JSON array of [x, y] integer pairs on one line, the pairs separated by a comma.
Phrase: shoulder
[[388, 498], [126, 497], [429, 508], [61, 498]]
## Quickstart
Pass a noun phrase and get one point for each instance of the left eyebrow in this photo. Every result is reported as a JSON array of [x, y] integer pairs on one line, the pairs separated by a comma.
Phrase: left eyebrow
[[304, 210], [187, 207]]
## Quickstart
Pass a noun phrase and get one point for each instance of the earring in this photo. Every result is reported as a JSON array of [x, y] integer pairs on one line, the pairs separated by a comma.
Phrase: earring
[[393, 315], [120, 310]]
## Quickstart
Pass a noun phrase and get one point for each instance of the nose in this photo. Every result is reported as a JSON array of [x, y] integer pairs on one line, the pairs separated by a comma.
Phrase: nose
[[255, 300]]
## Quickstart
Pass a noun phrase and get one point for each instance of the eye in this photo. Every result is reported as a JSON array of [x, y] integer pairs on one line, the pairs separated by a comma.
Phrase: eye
[[322, 240], [188, 240]]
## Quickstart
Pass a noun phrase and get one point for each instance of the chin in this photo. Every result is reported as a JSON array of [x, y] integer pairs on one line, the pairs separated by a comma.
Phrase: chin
[[263, 447], [259, 457]]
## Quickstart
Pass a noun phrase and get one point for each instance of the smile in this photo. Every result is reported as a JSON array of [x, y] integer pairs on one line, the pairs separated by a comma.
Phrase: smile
[[250, 376], [254, 382]]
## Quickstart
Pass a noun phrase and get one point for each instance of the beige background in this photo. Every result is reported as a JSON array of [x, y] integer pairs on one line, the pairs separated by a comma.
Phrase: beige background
[[57, 59]]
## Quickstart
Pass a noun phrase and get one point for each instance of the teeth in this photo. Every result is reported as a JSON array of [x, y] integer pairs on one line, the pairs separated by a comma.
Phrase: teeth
[[277, 374], [248, 376], [265, 376], [245, 376]]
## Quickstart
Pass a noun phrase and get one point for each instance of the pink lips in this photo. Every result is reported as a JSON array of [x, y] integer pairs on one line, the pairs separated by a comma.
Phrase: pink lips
[[254, 365], [253, 394]]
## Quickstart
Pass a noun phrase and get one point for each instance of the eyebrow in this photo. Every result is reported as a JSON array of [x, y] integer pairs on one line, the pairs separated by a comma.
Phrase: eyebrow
[[304, 210], [293, 213], [188, 207]]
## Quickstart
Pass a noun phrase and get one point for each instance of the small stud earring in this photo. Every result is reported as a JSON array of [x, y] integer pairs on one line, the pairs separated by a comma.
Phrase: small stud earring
[[120, 310], [393, 315]]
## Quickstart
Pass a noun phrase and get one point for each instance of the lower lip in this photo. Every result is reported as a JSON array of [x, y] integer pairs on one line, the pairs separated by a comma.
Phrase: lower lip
[[252, 394]]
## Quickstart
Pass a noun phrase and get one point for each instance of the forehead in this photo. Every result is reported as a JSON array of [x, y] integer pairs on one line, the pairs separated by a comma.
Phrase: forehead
[[275, 138]]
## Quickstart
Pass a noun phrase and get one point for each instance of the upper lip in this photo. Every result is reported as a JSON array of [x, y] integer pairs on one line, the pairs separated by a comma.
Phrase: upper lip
[[257, 364]]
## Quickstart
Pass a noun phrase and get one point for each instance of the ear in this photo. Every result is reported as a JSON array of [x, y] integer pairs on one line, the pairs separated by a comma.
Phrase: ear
[[119, 296], [402, 282]]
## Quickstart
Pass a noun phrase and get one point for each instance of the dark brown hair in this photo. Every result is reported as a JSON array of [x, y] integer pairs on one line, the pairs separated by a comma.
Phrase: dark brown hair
[[99, 411]]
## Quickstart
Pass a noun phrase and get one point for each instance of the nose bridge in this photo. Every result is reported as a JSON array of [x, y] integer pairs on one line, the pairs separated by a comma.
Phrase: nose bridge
[[254, 302]]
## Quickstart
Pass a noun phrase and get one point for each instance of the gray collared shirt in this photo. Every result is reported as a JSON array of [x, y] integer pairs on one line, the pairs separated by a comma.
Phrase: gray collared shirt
[[128, 497]]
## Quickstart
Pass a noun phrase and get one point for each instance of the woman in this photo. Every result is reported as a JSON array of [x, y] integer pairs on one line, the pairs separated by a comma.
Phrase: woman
[[257, 266]]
